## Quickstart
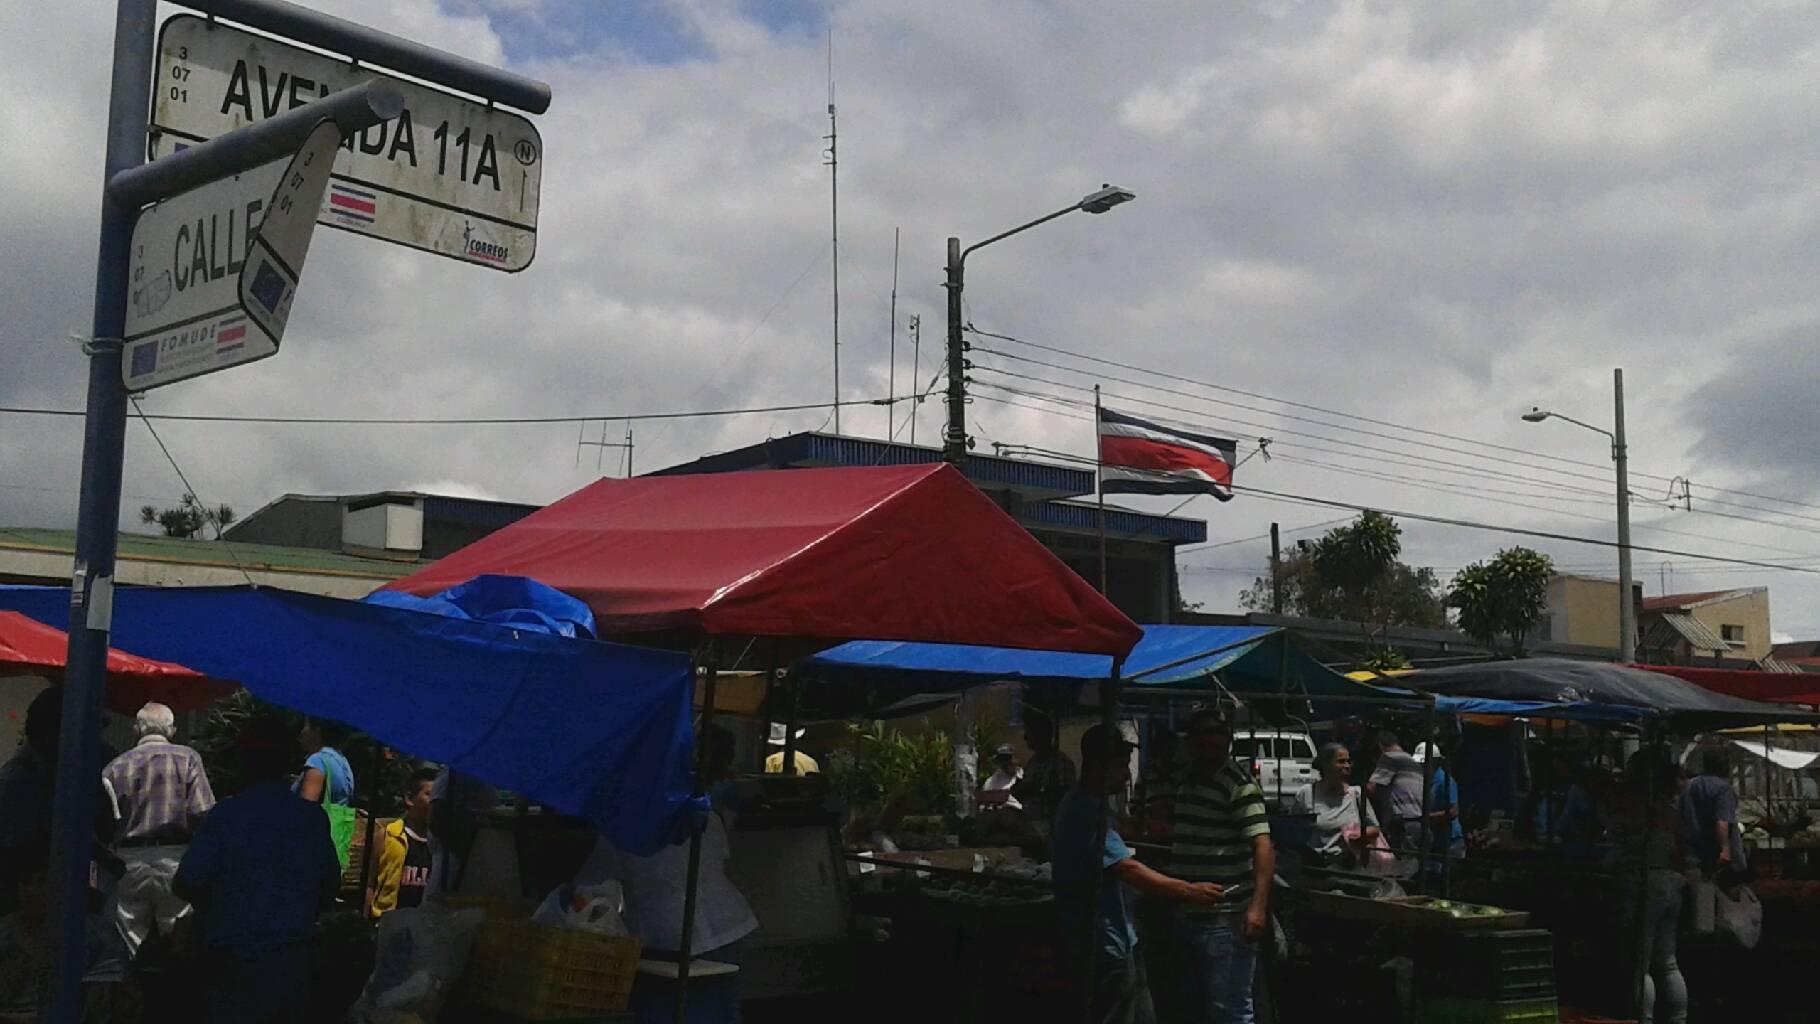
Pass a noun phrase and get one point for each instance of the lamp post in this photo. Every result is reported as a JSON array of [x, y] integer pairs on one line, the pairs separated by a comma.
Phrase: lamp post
[[954, 438], [1627, 611]]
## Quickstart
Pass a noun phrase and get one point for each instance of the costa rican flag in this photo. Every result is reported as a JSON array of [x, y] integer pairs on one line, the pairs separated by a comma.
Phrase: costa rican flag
[[1141, 457]]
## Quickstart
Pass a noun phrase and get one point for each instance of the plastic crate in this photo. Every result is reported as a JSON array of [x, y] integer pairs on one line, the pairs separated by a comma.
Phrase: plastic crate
[[540, 972], [1448, 1010], [1494, 965]]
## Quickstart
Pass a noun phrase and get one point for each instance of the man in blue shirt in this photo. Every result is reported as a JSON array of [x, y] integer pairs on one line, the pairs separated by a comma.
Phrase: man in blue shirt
[[259, 870], [1117, 990], [1446, 838]]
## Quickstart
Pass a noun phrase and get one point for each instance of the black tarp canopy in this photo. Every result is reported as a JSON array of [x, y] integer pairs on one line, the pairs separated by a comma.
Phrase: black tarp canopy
[[1564, 681]]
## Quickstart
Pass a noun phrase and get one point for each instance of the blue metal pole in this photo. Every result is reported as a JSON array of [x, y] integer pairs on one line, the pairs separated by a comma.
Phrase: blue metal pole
[[98, 520]]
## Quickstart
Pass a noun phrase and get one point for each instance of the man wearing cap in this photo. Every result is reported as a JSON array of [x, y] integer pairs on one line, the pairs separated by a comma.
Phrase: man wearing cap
[[1221, 835], [161, 792], [995, 793], [1117, 992], [774, 765], [1446, 839]]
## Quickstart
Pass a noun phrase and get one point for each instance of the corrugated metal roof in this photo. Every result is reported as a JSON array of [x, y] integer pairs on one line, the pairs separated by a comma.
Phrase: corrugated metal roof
[[1119, 522], [816, 449], [1696, 633]]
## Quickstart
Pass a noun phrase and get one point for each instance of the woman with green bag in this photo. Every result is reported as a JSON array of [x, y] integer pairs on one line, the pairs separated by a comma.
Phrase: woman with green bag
[[328, 779]]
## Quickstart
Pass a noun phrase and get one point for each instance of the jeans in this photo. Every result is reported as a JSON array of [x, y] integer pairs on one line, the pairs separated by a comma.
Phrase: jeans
[[268, 987], [1218, 967], [1121, 993], [1664, 990]]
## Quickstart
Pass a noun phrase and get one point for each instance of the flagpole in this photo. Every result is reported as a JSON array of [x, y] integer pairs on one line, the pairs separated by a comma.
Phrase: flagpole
[[1099, 486]]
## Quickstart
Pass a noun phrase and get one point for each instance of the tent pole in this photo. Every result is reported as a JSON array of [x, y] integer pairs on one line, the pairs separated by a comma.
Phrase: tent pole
[[707, 666], [367, 866], [1639, 936], [1425, 835], [1109, 696], [789, 681], [1099, 490]]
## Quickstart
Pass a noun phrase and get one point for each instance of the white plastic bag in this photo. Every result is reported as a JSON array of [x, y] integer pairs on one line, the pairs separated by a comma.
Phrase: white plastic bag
[[588, 908], [421, 953], [1739, 917]]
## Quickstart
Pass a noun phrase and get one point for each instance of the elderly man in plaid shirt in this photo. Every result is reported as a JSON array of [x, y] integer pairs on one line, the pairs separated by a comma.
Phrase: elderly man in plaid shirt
[[161, 793]]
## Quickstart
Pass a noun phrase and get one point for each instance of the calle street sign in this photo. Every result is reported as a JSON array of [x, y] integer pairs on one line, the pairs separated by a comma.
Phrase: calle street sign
[[449, 175], [213, 270]]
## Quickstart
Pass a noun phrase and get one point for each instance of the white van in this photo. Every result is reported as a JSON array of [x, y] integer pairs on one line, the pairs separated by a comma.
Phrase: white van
[[1282, 762]]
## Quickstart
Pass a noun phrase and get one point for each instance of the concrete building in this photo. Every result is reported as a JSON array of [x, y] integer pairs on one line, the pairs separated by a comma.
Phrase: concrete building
[[1583, 610], [393, 525], [45, 557], [1713, 625]]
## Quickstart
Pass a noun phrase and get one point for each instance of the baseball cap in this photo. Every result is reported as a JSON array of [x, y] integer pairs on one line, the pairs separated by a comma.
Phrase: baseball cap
[[1004, 750]]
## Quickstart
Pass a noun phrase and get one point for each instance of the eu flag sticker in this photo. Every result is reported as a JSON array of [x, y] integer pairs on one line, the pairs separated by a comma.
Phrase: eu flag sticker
[[145, 359]]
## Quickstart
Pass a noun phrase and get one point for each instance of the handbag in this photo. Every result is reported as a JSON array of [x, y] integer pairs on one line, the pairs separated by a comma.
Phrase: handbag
[[1738, 916], [1375, 857]]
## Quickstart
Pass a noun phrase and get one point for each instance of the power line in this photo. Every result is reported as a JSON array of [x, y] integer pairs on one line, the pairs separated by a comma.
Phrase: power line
[[1469, 524], [408, 421], [1445, 489], [1378, 422], [1386, 452]]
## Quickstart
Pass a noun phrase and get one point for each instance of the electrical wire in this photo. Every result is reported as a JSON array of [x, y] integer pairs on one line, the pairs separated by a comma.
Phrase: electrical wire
[[189, 489], [451, 421], [1192, 412], [1504, 501], [1377, 422]]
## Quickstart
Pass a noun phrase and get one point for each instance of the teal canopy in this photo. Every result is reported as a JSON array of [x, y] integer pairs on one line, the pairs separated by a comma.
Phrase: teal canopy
[[1257, 664]]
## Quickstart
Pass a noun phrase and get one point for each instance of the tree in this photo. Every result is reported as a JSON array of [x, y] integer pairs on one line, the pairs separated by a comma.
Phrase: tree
[[1387, 595], [1504, 597], [187, 519]]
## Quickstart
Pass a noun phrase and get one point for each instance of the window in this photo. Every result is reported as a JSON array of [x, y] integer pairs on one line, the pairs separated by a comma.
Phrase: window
[[1733, 635]]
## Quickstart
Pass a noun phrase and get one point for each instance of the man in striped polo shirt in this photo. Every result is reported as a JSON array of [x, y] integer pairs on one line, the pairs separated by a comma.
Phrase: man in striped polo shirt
[[1221, 835]]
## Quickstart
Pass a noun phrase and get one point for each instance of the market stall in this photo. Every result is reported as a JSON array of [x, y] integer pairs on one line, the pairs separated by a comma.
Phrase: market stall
[[1570, 877], [757, 569]]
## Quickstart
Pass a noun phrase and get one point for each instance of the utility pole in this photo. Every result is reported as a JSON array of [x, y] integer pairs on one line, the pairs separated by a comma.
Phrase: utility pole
[[1620, 454], [916, 367], [954, 438], [1276, 571]]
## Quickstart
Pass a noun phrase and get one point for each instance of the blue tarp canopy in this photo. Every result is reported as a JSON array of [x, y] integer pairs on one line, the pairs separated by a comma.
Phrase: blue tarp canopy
[[1575, 711], [1248, 661], [597, 730]]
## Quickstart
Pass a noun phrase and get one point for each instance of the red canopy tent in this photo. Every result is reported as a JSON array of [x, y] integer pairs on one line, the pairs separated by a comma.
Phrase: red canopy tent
[[911, 553], [1751, 684], [29, 647]]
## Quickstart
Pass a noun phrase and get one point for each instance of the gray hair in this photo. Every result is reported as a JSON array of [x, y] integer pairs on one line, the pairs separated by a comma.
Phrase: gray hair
[[156, 719]]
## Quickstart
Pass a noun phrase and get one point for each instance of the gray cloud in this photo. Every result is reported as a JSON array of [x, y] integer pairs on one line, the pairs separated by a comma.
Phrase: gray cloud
[[1424, 212]]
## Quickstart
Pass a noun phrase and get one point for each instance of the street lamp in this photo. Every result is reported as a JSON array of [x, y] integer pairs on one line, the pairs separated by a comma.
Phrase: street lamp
[[1627, 611], [954, 438]]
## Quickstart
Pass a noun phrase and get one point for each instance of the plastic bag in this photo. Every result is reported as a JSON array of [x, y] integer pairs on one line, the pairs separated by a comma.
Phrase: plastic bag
[[588, 908], [1738, 917], [421, 953]]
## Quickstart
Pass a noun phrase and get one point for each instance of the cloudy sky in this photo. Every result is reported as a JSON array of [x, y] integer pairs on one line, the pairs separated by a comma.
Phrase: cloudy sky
[[1414, 220]]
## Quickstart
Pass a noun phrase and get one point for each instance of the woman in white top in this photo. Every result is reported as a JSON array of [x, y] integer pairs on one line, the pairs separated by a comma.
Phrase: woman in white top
[[656, 885], [1344, 823]]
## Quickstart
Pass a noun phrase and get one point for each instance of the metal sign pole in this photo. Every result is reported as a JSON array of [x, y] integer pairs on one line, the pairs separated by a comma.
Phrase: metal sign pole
[[98, 520]]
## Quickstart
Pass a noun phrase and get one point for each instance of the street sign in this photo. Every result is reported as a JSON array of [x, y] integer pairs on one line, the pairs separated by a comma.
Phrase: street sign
[[213, 271], [450, 175]]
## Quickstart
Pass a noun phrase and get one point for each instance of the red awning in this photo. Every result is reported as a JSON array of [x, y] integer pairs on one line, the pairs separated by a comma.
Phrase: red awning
[[1772, 687], [911, 553], [29, 647]]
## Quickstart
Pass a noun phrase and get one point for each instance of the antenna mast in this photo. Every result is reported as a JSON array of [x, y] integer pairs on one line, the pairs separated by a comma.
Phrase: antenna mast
[[834, 222], [891, 388]]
